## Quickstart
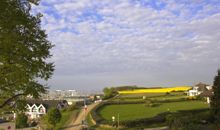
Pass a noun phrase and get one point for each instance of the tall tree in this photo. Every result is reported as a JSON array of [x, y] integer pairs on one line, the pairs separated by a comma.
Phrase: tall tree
[[215, 103], [24, 50]]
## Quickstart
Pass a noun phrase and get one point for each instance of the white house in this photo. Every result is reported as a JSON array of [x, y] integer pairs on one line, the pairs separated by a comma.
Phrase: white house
[[198, 89], [35, 111], [38, 108]]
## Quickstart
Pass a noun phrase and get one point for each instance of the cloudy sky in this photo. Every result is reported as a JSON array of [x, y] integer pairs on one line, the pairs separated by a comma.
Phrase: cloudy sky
[[100, 43]]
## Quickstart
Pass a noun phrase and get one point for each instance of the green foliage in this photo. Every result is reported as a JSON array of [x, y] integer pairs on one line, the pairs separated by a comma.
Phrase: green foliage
[[24, 50], [53, 116], [21, 121], [109, 92], [187, 121], [215, 104]]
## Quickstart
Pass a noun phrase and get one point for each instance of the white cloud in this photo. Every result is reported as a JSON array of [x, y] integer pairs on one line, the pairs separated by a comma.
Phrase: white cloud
[[110, 37]]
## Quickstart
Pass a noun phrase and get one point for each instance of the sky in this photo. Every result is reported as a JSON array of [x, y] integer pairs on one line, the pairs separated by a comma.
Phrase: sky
[[105, 43]]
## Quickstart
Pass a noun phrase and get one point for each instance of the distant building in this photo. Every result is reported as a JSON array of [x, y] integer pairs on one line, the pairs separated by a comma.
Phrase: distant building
[[38, 108], [59, 94], [198, 89], [72, 93]]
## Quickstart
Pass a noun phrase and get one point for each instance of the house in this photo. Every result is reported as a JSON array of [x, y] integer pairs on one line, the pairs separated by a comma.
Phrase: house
[[207, 95], [38, 108], [198, 89]]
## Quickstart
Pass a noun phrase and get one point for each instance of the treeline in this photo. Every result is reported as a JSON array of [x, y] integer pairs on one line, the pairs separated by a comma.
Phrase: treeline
[[110, 92]]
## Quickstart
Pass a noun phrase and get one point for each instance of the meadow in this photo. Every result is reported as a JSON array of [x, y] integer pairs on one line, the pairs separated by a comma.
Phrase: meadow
[[138, 111]]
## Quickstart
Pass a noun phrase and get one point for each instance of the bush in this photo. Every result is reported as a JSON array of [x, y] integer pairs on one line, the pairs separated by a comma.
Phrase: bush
[[53, 116], [21, 120], [188, 120]]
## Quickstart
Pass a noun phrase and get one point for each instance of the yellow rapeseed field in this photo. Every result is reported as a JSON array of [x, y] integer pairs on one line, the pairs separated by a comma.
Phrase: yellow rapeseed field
[[156, 90]]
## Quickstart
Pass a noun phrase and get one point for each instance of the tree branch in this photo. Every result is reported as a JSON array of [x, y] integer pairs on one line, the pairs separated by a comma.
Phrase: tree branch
[[10, 100]]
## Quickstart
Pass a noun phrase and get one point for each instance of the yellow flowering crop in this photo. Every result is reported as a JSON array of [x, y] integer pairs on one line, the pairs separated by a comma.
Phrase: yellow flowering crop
[[156, 90]]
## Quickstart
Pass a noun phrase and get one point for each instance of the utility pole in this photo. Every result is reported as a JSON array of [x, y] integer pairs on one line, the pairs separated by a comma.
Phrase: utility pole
[[118, 120]]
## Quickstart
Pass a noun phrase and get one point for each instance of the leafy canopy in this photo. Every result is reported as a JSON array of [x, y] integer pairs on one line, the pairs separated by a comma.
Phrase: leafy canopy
[[24, 50]]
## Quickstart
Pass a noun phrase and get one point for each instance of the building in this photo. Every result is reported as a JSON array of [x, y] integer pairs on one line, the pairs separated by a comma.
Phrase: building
[[38, 108], [59, 94], [207, 95], [198, 89]]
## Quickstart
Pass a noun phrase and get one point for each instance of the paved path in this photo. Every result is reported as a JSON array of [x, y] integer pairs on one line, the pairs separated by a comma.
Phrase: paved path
[[159, 128], [5, 125], [76, 124]]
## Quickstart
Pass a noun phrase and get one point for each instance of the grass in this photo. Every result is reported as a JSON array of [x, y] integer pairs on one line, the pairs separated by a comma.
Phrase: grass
[[89, 120], [67, 117], [152, 96], [138, 111], [140, 95]]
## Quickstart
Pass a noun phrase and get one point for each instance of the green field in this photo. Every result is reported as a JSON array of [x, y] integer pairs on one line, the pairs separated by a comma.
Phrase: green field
[[151, 96], [138, 111], [139, 95]]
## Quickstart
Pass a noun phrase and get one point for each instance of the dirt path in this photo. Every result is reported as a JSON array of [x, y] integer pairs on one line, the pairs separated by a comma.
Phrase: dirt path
[[76, 124], [159, 128]]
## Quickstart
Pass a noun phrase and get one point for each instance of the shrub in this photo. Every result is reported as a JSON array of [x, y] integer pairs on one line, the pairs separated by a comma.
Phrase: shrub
[[188, 120], [21, 121], [53, 116]]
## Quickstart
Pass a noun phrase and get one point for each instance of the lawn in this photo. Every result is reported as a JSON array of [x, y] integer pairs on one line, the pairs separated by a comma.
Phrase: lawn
[[152, 96], [140, 95], [138, 111]]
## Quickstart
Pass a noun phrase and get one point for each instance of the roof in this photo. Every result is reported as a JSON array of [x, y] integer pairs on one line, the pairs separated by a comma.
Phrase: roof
[[202, 87], [46, 103], [207, 93]]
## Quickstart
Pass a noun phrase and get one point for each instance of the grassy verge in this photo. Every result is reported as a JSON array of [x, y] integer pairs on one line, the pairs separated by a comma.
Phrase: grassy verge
[[67, 117]]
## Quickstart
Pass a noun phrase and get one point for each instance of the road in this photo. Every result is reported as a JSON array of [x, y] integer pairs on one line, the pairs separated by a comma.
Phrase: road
[[76, 124]]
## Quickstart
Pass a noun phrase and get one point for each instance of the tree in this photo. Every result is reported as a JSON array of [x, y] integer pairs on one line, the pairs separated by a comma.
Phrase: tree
[[21, 120], [215, 102], [109, 92], [53, 116], [24, 53]]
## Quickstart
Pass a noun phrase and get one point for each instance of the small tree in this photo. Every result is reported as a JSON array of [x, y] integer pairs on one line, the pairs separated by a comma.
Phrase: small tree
[[53, 116], [109, 92], [215, 103], [21, 121]]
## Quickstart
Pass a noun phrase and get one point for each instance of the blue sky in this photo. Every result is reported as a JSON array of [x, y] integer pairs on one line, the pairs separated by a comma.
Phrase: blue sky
[[100, 43]]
